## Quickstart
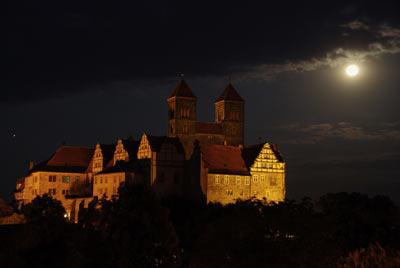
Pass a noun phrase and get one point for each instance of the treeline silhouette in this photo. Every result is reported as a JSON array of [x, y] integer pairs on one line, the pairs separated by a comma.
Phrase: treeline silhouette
[[139, 230]]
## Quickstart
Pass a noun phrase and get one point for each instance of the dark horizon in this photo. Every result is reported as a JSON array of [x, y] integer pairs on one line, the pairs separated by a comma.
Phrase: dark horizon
[[81, 73]]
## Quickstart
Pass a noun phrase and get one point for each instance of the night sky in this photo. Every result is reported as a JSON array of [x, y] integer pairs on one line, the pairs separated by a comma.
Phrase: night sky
[[82, 72]]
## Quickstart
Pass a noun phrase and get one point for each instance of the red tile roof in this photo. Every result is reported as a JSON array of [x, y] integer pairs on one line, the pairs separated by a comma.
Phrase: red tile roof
[[224, 159], [250, 153], [72, 156], [182, 89], [230, 93], [208, 128]]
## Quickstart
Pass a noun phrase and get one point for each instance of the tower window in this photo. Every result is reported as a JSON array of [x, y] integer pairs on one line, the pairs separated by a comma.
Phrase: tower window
[[185, 112], [220, 116], [171, 113]]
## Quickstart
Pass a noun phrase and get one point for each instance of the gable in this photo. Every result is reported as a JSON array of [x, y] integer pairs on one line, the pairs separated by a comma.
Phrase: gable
[[267, 160], [144, 151]]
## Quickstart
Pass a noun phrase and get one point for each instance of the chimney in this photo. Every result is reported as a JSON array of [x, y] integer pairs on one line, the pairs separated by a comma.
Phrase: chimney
[[31, 165]]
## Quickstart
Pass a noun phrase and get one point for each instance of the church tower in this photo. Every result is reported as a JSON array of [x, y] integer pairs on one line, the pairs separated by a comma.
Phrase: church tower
[[229, 112], [182, 115]]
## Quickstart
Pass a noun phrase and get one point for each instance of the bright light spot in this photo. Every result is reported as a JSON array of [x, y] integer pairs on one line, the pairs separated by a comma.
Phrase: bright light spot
[[352, 70], [65, 215]]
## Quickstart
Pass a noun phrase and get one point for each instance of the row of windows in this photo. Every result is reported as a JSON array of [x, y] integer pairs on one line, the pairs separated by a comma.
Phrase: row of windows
[[230, 192], [52, 191], [117, 179], [66, 179], [227, 180], [100, 191], [185, 112], [233, 115], [246, 182], [268, 165]]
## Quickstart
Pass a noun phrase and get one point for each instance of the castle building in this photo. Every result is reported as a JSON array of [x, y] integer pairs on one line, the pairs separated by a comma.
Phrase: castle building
[[205, 160]]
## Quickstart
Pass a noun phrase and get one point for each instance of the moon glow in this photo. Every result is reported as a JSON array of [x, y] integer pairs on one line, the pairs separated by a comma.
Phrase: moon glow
[[352, 70]]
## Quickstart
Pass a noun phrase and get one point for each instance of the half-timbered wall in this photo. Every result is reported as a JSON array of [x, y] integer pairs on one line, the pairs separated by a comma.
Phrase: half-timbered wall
[[268, 176]]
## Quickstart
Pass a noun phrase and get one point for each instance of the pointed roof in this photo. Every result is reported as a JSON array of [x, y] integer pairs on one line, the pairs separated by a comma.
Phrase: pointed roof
[[230, 93], [182, 89]]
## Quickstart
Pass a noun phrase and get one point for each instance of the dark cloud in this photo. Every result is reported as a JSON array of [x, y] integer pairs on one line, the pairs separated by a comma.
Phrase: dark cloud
[[57, 48], [315, 133]]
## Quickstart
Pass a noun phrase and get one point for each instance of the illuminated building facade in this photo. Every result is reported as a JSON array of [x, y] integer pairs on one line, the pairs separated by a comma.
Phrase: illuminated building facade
[[207, 157]]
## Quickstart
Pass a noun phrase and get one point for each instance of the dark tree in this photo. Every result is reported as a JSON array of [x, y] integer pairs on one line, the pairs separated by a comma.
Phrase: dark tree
[[5, 209], [44, 208]]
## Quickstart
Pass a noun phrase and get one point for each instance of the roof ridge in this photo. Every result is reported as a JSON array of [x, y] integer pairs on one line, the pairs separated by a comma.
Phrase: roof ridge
[[230, 93], [182, 89]]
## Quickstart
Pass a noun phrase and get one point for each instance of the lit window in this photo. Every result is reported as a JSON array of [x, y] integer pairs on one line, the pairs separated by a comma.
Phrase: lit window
[[65, 179], [247, 181], [255, 178], [238, 180], [217, 179], [229, 192], [226, 179]]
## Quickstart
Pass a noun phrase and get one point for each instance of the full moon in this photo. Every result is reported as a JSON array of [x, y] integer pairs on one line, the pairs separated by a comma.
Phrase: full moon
[[352, 70]]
